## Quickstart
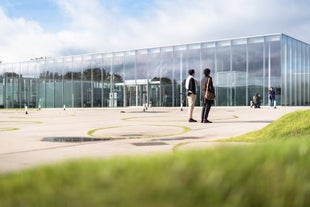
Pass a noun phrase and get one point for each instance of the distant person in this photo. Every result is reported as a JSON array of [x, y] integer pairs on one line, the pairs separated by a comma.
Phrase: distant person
[[256, 100], [165, 101], [272, 97], [190, 85], [206, 85]]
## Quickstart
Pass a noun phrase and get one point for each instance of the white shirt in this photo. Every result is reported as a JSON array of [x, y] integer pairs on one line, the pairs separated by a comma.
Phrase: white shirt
[[187, 81]]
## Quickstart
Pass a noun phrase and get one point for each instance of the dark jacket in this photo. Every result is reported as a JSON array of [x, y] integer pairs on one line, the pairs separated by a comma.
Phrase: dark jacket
[[204, 82], [272, 94]]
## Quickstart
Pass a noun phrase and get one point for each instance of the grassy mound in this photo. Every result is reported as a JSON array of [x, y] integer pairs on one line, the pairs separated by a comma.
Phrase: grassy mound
[[295, 125], [270, 174], [264, 175]]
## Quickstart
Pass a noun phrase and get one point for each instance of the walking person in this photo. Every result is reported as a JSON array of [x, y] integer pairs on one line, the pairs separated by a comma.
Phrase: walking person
[[206, 85], [190, 85], [272, 97]]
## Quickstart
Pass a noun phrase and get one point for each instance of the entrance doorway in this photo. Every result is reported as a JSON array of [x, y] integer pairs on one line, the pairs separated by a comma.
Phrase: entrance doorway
[[141, 92]]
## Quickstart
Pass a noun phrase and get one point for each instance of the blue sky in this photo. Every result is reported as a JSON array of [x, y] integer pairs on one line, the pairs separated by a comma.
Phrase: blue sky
[[45, 12], [36, 28]]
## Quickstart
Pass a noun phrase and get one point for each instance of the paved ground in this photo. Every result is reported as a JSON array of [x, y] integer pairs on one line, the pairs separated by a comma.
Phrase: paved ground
[[128, 131]]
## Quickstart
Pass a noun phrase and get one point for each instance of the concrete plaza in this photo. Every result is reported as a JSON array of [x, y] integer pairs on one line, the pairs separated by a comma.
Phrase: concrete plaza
[[127, 131]]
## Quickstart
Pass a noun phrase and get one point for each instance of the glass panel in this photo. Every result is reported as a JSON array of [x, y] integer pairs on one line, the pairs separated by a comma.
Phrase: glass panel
[[143, 79], [238, 58], [180, 48], [107, 81], [179, 73], [117, 94], [2, 86], [223, 76], [209, 45], [273, 38], [58, 83], [41, 85], [298, 75], [284, 62], [8, 81], [68, 83], [239, 42], [87, 90], [97, 71], [194, 46], [32, 97], [154, 74], [303, 75], [252, 40], [167, 82], [224, 43], [223, 59], [208, 58], [193, 62], [256, 62], [77, 82], [50, 85], [275, 72], [180, 62], [167, 49], [293, 68], [19, 85], [238, 82], [290, 80]]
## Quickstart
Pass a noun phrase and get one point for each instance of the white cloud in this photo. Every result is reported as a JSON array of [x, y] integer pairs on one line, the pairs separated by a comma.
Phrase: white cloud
[[23, 40], [100, 25]]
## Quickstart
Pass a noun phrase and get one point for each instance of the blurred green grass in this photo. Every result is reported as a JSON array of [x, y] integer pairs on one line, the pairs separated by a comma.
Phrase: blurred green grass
[[295, 125], [270, 173]]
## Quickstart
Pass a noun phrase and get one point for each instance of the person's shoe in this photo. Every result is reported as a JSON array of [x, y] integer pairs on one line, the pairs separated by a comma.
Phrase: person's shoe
[[206, 121], [192, 120]]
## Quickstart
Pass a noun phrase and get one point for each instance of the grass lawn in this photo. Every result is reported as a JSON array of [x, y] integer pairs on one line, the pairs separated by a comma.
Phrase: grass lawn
[[292, 126], [274, 172]]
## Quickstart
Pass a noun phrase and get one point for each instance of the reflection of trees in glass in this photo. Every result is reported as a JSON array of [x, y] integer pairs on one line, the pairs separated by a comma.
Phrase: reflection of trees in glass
[[164, 80], [46, 75], [116, 78], [76, 75], [98, 75], [67, 75], [57, 76], [49, 75], [87, 74], [12, 75]]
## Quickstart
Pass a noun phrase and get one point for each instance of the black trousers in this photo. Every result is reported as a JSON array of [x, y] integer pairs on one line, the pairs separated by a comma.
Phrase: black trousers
[[206, 109]]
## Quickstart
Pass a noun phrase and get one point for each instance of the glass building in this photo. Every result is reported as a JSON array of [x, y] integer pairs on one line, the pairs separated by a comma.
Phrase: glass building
[[240, 67]]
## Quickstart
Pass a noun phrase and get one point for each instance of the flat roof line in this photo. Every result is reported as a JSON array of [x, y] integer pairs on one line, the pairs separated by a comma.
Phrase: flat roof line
[[157, 47]]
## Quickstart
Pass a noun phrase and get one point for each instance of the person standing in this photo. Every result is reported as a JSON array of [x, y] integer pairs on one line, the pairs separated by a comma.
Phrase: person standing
[[206, 85], [190, 85], [272, 97]]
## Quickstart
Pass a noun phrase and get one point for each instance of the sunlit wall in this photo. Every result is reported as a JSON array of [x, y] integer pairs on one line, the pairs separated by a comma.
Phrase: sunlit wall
[[240, 68]]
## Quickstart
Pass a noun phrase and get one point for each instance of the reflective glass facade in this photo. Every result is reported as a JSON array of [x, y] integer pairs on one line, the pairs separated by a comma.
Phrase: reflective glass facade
[[240, 68]]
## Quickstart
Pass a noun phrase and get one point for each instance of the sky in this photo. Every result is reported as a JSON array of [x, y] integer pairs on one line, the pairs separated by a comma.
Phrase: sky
[[50, 28]]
